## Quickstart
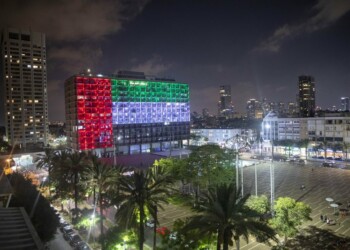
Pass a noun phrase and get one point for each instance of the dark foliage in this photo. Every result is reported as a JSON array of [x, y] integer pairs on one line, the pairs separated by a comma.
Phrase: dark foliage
[[44, 220]]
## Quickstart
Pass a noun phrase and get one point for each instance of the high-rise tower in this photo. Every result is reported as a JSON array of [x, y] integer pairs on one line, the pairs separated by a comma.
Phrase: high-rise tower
[[24, 87], [307, 102], [344, 102], [225, 107]]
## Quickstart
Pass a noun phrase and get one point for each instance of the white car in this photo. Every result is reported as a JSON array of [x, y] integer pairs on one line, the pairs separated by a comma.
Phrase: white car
[[173, 236], [150, 223]]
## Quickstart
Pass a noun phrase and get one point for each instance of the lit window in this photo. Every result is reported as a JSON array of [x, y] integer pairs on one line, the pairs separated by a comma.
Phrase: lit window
[[29, 66]]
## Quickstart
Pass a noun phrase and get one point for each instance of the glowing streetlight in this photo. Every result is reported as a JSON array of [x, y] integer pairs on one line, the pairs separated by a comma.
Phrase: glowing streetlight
[[272, 169]]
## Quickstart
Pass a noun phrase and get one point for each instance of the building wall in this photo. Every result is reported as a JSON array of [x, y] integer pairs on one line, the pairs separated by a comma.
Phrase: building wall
[[112, 112], [222, 137], [24, 82], [331, 129]]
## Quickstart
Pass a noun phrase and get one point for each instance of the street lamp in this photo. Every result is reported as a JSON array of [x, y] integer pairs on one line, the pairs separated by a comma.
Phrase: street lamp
[[115, 150], [37, 198], [272, 170], [237, 169]]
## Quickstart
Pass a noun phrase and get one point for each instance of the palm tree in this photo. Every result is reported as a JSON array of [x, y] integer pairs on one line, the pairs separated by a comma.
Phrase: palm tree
[[102, 178], [46, 161], [143, 191], [304, 144], [77, 164], [69, 168], [59, 175], [226, 214], [346, 145]]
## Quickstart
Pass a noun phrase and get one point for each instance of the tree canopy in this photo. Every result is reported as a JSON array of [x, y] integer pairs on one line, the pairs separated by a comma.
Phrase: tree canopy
[[289, 215]]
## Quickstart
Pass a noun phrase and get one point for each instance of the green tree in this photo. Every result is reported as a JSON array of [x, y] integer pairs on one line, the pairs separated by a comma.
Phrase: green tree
[[142, 192], [117, 238], [179, 169], [179, 239], [211, 165], [102, 178], [44, 220], [259, 204], [289, 215], [226, 214]]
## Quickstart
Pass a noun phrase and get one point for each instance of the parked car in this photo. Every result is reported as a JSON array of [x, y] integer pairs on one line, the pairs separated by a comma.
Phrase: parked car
[[76, 239], [82, 246], [338, 159], [68, 235], [173, 236], [66, 229], [64, 225], [150, 223]]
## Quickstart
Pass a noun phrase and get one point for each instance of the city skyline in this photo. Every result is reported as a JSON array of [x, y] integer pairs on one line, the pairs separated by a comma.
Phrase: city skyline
[[259, 49]]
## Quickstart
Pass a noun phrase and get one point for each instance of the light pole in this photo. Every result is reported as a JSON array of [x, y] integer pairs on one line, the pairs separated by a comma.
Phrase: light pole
[[115, 151], [256, 181], [272, 170], [237, 171], [36, 199]]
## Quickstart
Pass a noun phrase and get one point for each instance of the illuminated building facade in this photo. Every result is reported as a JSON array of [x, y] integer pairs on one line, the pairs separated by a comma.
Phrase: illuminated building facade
[[254, 109], [225, 102], [24, 87], [344, 102], [307, 103], [127, 112]]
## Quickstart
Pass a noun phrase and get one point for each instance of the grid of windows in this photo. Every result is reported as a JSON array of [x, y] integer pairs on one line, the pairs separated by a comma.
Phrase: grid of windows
[[133, 111], [24, 78]]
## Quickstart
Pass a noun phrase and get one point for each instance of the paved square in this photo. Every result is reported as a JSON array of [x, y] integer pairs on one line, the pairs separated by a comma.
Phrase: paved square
[[320, 183]]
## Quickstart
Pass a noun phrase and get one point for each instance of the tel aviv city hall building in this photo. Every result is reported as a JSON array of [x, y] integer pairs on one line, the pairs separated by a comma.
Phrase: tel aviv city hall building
[[126, 113]]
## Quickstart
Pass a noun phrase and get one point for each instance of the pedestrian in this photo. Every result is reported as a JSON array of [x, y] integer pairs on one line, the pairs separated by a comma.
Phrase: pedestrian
[[327, 221], [321, 217], [325, 218]]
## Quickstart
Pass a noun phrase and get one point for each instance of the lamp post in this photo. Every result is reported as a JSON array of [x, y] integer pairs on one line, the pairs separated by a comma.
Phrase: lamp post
[[115, 150], [237, 171], [256, 181], [272, 170], [36, 199]]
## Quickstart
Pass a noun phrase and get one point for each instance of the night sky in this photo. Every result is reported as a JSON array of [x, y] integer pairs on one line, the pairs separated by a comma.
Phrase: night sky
[[258, 47]]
